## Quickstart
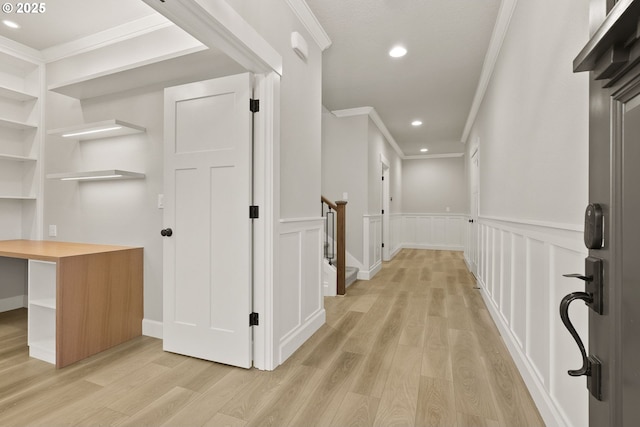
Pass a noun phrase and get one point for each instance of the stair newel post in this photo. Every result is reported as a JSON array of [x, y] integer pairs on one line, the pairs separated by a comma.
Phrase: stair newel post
[[341, 212]]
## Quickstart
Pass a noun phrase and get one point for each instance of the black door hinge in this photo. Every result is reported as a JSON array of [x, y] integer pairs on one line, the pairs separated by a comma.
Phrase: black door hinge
[[382, 211], [253, 319], [383, 245], [254, 212], [383, 177], [254, 105]]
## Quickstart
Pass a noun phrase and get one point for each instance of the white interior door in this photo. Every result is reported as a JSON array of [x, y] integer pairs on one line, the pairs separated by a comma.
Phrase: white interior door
[[207, 258], [474, 212]]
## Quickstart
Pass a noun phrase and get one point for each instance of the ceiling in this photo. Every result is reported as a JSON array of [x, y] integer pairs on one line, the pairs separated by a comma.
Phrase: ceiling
[[67, 20], [435, 82]]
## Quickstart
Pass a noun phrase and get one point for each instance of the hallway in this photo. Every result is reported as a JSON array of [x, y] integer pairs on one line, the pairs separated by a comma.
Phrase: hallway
[[414, 347]]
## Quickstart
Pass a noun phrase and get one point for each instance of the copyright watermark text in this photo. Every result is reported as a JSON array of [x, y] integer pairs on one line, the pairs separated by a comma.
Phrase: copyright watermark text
[[24, 8]]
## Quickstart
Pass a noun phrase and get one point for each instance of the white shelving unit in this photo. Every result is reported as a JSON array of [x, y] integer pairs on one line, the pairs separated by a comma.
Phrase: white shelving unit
[[42, 310], [105, 175], [21, 82], [98, 130], [91, 131]]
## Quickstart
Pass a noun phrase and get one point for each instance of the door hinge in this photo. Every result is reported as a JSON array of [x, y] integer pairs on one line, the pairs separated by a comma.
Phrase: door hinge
[[253, 319], [382, 211], [254, 105], [383, 245], [383, 177], [254, 212]]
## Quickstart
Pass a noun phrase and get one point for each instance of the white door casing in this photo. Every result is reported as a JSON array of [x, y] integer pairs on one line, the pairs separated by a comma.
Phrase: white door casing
[[386, 240], [207, 260], [474, 227]]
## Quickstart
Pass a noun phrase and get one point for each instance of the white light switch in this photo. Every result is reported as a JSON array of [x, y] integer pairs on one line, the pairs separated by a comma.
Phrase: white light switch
[[53, 230], [345, 196], [160, 201]]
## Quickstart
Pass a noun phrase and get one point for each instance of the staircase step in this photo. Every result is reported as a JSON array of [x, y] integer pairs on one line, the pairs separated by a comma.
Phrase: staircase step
[[351, 275]]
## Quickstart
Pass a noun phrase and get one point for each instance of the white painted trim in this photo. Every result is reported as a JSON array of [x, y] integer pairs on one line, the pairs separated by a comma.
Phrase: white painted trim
[[21, 51], [369, 274], [13, 303], [301, 220], [548, 409], [266, 189], [456, 248], [535, 223], [384, 161], [375, 118], [290, 343], [216, 24], [105, 38], [495, 45], [310, 22], [152, 328]]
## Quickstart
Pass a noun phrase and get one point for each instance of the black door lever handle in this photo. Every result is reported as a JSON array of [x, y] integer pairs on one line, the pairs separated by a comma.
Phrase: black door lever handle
[[579, 276], [564, 315]]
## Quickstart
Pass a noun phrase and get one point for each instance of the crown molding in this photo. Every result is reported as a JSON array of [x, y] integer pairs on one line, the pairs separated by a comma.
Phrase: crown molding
[[21, 51], [107, 37], [375, 118], [310, 22], [495, 46]]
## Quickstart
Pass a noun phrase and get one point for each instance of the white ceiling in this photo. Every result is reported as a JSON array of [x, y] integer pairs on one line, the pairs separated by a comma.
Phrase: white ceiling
[[435, 82], [68, 20]]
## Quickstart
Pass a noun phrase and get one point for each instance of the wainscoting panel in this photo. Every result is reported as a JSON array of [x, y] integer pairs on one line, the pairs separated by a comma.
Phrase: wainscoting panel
[[372, 246], [520, 274], [301, 310]]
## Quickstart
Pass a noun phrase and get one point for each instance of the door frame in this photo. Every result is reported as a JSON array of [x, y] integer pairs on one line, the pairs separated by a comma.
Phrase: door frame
[[384, 201], [219, 26]]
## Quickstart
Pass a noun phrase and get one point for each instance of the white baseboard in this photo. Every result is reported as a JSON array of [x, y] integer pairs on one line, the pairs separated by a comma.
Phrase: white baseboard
[[13, 303], [152, 328], [292, 341], [433, 247], [368, 274], [547, 409]]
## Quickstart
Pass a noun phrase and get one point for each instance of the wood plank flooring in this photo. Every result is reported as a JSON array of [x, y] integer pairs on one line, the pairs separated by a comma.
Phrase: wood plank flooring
[[415, 346]]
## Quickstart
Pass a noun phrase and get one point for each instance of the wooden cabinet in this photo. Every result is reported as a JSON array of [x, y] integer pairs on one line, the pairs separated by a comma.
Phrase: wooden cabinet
[[83, 298]]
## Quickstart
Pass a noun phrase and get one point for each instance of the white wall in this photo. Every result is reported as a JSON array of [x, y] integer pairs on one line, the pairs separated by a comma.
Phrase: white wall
[[532, 133], [344, 170], [433, 185]]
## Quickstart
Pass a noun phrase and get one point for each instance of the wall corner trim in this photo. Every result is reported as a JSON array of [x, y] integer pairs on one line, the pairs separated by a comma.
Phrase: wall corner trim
[[375, 118], [310, 22], [152, 328], [495, 46]]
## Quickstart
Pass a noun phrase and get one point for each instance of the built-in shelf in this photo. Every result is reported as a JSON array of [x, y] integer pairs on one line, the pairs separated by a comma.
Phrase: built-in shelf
[[5, 197], [17, 158], [13, 124], [104, 175], [98, 130], [16, 95], [44, 302], [191, 65]]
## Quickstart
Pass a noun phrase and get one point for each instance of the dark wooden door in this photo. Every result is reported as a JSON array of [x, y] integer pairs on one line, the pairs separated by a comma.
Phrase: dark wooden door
[[612, 57]]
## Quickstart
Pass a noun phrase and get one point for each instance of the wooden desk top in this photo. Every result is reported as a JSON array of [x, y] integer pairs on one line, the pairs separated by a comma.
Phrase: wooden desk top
[[46, 250]]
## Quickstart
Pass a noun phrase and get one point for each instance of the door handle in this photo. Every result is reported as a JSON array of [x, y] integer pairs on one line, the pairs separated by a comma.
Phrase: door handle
[[591, 366], [564, 315], [166, 232]]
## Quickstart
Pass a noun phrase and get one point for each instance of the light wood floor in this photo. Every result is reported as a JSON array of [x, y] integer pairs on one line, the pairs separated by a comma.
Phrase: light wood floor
[[415, 346]]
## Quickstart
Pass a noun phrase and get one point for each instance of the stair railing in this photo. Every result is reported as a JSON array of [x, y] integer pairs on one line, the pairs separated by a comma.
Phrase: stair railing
[[335, 247]]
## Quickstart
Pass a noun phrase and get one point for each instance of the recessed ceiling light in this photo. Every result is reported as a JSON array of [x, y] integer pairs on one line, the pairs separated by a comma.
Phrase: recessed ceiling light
[[424, 150], [397, 52], [416, 123], [11, 24]]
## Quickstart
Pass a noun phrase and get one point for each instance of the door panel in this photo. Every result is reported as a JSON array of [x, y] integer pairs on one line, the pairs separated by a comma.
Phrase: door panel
[[207, 259], [630, 254]]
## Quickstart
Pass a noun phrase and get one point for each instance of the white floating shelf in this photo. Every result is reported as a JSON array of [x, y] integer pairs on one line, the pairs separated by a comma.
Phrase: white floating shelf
[[105, 175], [16, 158], [98, 130], [16, 125], [16, 95], [5, 197]]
